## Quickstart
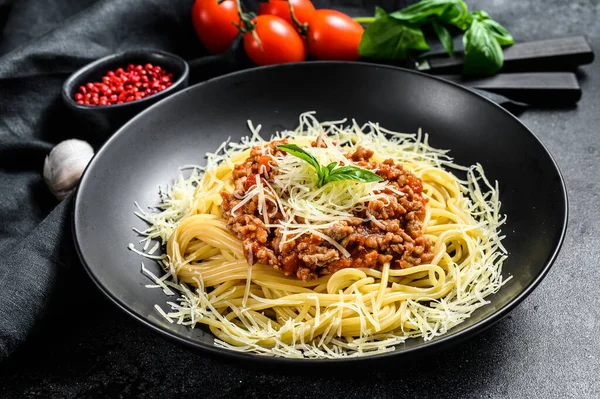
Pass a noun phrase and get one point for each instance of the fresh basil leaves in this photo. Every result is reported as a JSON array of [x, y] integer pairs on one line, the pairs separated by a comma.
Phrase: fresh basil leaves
[[329, 173], [298, 152], [389, 38], [498, 31], [399, 35], [444, 36], [483, 53], [448, 11]]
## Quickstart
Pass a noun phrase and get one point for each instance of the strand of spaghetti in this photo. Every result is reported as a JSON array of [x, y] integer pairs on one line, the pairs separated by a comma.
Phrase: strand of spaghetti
[[343, 279]]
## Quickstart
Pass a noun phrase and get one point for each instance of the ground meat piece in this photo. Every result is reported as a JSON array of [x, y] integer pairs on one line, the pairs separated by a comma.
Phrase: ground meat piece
[[388, 209], [319, 259], [361, 154], [340, 231], [395, 237], [258, 161]]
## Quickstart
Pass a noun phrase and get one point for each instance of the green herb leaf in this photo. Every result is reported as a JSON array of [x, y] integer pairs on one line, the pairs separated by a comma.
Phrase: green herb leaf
[[353, 173], [391, 39], [448, 11], [500, 33], [398, 35], [502, 36], [324, 174], [444, 36], [483, 54], [331, 166], [296, 151], [330, 173], [458, 16], [380, 13]]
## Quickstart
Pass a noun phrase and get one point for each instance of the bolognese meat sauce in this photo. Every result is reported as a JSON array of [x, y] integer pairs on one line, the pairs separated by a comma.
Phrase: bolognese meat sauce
[[388, 229]]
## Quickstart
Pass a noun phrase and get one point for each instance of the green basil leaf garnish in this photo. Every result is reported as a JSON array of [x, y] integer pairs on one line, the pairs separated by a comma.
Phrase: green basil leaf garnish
[[329, 173], [296, 151], [353, 173]]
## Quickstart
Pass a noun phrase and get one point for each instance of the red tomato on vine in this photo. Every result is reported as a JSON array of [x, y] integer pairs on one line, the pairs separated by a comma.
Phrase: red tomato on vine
[[278, 42], [214, 23], [303, 10], [333, 35]]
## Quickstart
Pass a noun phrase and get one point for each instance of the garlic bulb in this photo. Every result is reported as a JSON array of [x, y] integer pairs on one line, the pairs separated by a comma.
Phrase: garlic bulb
[[64, 166]]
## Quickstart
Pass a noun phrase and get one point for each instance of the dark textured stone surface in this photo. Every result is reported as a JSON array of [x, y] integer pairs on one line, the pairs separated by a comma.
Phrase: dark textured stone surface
[[548, 347]]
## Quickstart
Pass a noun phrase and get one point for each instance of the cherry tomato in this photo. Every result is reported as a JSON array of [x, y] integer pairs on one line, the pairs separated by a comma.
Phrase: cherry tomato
[[333, 35], [213, 23], [303, 9], [279, 42]]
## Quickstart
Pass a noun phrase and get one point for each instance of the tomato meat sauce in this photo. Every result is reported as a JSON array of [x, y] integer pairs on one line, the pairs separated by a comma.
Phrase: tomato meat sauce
[[387, 229]]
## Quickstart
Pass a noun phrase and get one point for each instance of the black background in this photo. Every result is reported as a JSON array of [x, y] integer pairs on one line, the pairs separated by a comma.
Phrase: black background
[[83, 346]]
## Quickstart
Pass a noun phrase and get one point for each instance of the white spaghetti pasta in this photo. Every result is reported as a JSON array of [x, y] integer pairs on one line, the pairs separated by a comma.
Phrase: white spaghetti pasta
[[354, 311]]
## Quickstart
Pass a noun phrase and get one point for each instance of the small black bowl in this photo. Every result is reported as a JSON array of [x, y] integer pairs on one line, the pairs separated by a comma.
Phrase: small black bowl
[[100, 122]]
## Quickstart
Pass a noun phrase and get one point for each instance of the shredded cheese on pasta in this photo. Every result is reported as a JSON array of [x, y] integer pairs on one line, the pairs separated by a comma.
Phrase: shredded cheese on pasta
[[354, 312]]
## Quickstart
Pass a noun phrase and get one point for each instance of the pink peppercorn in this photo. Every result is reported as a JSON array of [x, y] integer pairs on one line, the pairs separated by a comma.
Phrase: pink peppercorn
[[124, 85]]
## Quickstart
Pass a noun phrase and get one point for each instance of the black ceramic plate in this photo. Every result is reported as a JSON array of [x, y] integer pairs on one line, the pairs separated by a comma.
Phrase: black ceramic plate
[[147, 151]]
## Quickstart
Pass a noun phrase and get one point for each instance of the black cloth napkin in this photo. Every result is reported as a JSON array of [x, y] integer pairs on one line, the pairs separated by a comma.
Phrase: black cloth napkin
[[41, 43]]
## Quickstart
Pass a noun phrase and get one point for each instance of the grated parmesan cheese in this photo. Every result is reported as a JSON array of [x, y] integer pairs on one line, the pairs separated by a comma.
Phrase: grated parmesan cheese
[[322, 208]]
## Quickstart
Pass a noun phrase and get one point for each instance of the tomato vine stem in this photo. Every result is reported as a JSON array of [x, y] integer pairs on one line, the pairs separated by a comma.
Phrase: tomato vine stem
[[302, 27], [364, 20], [246, 24]]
